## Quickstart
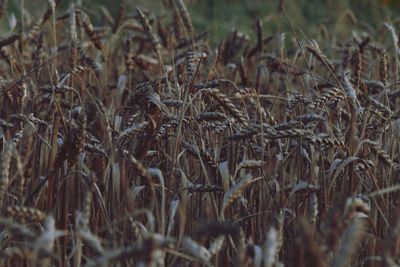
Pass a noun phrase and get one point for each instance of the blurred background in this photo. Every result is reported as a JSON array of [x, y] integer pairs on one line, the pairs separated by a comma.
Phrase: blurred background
[[219, 17]]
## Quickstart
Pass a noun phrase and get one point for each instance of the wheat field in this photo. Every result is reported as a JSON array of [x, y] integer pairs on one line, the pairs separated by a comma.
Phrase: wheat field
[[135, 141]]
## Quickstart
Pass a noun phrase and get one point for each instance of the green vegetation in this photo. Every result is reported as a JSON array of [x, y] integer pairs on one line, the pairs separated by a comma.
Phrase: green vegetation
[[219, 17]]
